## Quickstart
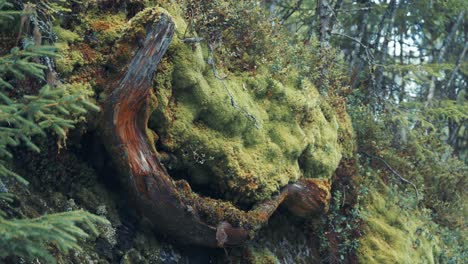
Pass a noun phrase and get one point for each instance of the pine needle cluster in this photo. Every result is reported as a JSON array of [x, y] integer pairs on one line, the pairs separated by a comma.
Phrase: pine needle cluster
[[23, 118]]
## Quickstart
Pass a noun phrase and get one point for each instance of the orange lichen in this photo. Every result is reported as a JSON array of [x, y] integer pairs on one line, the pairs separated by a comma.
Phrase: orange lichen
[[101, 25], [89, 54]]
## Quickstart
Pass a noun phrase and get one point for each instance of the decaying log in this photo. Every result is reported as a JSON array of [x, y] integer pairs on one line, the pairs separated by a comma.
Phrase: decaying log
[[172, 207]]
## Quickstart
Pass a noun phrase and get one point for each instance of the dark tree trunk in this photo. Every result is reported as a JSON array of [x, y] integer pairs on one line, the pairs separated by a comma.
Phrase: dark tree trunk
[[378, 89], [446, 43], [356, 60], [452, 93], [324, 15]]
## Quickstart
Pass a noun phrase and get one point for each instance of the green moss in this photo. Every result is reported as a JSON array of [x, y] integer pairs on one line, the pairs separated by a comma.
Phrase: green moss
[[246, 136], [260, 256], [64, 35], [69, 57], [69, 60], [84, 89], [106, 28], [136, 26], [395, 235]]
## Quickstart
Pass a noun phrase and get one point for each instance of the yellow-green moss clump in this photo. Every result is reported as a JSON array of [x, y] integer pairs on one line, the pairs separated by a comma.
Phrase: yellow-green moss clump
[[245, 136], [254, 255], [69, 60], [395, 235], [106, 28]]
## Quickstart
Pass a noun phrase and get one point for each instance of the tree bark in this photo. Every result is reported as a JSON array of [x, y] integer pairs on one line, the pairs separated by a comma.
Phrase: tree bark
[[336, 9], [452, 93], [378, 89], [390, 9], [324, 15], [446, 43], [171, 207], [357, 50]]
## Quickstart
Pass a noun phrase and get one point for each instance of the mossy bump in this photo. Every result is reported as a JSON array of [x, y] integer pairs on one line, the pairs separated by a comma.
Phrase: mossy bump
[[245, 136]]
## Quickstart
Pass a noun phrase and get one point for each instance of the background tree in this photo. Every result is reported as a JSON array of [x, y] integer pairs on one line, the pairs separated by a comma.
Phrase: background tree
[[406, 92]]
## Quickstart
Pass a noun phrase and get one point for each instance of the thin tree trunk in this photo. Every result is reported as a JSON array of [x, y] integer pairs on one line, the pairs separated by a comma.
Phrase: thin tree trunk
[[324, 15], [378, 87], [390, 9], [401, 93], [452, 94], [446, 43], [334, 17], [454, 128], [357, 51]]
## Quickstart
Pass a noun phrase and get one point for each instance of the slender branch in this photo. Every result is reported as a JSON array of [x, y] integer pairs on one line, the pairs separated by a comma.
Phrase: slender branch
[[334, 12], [369, 55], [292, 11], [211, 61], [353, 10], [351, 38], [457, 67], [394, 172], [192, 40]]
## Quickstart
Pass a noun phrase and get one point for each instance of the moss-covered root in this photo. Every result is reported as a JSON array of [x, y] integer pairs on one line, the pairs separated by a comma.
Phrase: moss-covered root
[[308, 197], [304, 198]]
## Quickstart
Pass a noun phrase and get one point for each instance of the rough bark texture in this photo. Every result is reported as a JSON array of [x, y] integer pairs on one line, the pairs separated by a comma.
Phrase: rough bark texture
[[445, 44], [324, 14], [172, 207]]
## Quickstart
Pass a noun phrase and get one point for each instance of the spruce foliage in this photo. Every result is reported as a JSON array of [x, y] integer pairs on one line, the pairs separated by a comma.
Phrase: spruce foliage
[[22, 118], [28, 238]]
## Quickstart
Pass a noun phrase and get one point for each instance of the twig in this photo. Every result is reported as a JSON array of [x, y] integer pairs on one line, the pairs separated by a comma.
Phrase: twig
[[355, 9], [293, 9], [351, 38], [211, 61], [192, 40], [344, 197], [394, 172], [369, 55]]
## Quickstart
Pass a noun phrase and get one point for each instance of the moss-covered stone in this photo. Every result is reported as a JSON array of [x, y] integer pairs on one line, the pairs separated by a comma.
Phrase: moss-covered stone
[[245, 136]]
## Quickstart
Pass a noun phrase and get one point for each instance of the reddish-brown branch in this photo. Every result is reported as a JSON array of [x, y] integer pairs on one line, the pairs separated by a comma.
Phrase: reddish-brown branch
[[171, 206]]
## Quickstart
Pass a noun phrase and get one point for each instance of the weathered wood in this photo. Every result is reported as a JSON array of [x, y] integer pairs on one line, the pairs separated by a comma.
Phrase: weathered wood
[[172, 207], [125, 132]]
